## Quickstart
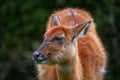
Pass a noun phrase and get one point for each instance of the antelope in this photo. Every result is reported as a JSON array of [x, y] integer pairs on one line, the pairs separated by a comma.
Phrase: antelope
[[71, 48]]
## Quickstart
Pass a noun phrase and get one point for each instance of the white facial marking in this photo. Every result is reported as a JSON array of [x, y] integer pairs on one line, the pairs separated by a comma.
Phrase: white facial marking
[[62, 35], [64, 46], [41, 71], [73, 53], [47, 42], [40, 58], [57, 57]]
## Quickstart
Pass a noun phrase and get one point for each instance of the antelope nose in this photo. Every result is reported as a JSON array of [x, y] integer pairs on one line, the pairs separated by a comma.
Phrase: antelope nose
[[36, 55], [39, 56]]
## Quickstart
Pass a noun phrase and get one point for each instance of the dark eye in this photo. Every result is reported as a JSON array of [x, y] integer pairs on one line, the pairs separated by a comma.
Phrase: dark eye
[[58, 38]]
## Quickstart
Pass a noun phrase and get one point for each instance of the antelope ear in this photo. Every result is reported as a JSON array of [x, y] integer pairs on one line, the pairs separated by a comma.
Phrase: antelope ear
[[55, 21], [81, 29]]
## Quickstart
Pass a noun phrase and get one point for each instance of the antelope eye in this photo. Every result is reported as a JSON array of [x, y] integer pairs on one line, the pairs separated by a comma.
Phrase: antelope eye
[[58, 38]]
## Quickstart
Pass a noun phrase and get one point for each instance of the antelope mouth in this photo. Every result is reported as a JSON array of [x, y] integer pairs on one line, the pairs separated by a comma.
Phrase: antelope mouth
[[40, 58]]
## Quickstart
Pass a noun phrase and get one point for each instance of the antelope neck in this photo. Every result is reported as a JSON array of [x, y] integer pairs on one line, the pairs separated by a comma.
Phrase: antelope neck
[[69, 71]]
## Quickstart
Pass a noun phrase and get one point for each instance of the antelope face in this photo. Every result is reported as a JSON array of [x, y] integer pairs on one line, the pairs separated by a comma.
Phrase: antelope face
[[58, 45], [55, 48]]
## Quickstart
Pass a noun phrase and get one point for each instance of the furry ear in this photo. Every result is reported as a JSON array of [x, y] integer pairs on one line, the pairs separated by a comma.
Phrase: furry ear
[[81, 29], [55, 21]]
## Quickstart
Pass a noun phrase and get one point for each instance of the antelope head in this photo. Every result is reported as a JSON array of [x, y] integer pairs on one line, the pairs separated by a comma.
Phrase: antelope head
[[59, 44]]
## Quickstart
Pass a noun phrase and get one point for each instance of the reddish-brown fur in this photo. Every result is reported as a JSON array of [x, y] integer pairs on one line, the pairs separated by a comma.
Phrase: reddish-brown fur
[[91, 56]]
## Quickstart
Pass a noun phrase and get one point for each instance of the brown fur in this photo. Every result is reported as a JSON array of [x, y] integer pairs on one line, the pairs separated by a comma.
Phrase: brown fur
[[90, 57]]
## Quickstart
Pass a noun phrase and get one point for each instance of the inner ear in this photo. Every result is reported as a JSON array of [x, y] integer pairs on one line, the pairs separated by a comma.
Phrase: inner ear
[[81, 29], [85, 29], [55, 20]]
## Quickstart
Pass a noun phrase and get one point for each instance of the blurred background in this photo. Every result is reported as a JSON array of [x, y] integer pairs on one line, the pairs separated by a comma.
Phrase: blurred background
[[22, 24]]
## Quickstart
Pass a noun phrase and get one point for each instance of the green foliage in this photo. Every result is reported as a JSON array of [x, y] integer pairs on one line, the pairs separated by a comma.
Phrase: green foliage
[[22, 24]]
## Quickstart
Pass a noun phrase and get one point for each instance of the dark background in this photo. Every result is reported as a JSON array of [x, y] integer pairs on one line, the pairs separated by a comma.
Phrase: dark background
[[22, 24]]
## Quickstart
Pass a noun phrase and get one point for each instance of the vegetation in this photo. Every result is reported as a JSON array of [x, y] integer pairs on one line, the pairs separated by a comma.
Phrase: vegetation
[[22, 24]]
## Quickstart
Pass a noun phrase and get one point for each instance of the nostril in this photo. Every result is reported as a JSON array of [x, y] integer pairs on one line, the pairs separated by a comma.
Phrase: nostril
[[36, 54]]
